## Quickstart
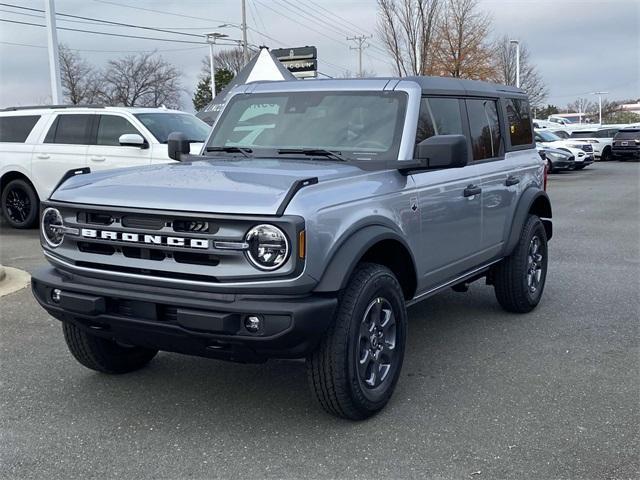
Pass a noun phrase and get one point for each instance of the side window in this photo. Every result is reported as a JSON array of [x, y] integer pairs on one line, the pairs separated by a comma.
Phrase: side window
[[439, 116], [70, 129], [519, 119], [17, 128], [110, 127], [484, 127]]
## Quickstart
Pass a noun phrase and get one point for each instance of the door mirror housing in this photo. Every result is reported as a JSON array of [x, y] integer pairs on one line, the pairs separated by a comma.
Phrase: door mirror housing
[[440, 151], [178, 145], [132, 140]]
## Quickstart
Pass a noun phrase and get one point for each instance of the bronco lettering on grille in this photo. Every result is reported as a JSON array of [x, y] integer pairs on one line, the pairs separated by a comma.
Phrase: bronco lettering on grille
[[143, 238]]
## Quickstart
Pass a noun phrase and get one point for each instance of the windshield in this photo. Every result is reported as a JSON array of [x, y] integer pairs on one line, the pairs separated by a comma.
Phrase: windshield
[[162, 124], [548, 136], [355, 125]]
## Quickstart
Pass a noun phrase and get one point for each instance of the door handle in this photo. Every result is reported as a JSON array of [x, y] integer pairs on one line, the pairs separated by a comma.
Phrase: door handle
[[42, 156], [511, 180], [98, 159], [472, 190]]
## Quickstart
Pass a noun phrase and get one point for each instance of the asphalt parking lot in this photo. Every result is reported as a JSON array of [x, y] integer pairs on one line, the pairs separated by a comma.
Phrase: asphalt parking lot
[[483, 394]]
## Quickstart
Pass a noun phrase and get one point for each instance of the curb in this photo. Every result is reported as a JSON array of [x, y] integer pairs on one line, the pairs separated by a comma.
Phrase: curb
[[12, 280]]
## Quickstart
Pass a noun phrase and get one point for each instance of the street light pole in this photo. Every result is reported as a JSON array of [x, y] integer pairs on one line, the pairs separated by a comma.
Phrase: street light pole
[[517, 44], [599, 105], [245, 47], [211, 40], [54, 61]]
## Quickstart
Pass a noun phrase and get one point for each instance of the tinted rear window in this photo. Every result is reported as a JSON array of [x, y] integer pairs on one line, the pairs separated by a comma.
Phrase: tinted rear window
[[17, 128], [485, 129], [70, 129], [628, 135], [519, 119]]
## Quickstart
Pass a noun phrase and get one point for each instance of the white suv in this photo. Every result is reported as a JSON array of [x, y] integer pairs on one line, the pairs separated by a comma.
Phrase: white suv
[[38, 146], [600, 138]]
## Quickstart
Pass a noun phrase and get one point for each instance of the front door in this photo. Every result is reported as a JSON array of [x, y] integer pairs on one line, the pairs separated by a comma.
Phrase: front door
[[449, 201], [107, 153]]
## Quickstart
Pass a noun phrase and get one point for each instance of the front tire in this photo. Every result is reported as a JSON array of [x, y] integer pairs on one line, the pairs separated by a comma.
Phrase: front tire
[[354, 371], [104, 355], [519, 279], [20, 204]]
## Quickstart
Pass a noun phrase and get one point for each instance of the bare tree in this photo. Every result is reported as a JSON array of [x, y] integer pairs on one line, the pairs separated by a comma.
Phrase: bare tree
[[145, 80], [80, 81], [406, 28], [462, 46], [582, 105], [231, 59], [530, 79]]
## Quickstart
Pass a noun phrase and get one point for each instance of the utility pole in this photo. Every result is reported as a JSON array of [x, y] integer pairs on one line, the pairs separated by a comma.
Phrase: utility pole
[[245, 47], [360, 46], [54, 61], [211, 40], [517, 44], [599, 105]]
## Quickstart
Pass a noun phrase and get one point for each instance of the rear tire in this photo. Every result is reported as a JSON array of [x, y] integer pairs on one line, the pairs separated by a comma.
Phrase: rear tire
[[606, 155], [519, 279], [104, 355], [20, 204], [550, 167], [354, 371]]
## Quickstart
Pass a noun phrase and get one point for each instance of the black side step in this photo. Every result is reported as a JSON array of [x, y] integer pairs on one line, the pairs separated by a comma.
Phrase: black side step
[[295, 188]]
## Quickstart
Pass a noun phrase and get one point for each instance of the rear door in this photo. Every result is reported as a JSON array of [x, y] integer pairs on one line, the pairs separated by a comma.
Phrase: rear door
[[64, 148], [450, 215], [498, 179], [106, 151]]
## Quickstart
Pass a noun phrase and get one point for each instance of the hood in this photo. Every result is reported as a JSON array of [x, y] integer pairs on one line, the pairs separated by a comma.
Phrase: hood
[[240, 186]]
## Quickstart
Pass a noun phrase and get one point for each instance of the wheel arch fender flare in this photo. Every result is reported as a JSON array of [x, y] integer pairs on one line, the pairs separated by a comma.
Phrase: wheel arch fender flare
[[532, 201], [350, 253]]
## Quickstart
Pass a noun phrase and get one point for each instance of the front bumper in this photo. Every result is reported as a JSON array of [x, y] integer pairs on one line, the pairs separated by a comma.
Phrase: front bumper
[[190, 322]]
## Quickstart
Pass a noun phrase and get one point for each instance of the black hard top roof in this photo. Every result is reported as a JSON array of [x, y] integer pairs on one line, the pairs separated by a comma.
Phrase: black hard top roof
[[460, 86]]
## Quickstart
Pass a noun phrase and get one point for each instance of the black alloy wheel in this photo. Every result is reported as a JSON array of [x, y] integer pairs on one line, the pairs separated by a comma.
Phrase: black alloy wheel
[[20, 204], [376, 348]]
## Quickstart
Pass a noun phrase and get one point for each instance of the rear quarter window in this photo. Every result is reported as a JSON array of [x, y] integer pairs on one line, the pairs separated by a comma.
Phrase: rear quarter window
[[16, 129], [519, 121]]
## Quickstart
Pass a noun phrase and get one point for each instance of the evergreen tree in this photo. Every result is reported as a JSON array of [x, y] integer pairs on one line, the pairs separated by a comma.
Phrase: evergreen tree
[[202, 95]]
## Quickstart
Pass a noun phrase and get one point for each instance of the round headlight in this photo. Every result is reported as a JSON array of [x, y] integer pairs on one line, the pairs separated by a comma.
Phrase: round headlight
[[52, 227], [268, 247]]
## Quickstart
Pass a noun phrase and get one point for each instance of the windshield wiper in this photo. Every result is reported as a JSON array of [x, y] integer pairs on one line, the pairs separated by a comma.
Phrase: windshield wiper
[[314, 152], [244, 151]]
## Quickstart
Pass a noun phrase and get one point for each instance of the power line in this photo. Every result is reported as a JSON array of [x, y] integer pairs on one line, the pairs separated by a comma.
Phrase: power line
[[104, 33], [109, 22], [361, 45]]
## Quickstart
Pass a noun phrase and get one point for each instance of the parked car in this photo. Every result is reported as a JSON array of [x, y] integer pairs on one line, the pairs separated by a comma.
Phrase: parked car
[[305, 240], [580, 149], [626, 144], [601, 140], [38, 145], [557, 160]]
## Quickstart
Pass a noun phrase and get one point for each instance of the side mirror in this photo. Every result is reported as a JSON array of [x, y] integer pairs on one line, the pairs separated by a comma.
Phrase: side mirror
[[178, 145], [441, 151], [132, 140]]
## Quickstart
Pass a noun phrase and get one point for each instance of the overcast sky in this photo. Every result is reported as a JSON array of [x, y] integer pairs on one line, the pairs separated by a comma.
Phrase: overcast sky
[[579, 46]]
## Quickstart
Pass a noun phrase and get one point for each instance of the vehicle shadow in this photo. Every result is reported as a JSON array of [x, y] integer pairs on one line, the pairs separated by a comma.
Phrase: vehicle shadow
[[202, 393]]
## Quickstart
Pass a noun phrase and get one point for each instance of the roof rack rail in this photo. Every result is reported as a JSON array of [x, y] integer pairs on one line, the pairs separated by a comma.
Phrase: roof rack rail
[[34, 107]]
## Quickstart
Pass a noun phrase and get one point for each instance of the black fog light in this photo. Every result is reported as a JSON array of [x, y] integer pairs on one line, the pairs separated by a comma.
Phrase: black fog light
[[55, 295], [253, 323]]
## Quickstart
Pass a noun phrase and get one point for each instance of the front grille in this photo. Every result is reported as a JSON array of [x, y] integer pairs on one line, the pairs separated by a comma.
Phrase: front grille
[[166, 245]]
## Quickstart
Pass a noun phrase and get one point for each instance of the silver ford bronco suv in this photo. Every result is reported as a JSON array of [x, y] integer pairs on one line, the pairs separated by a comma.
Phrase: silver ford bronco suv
[[316, 213]]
